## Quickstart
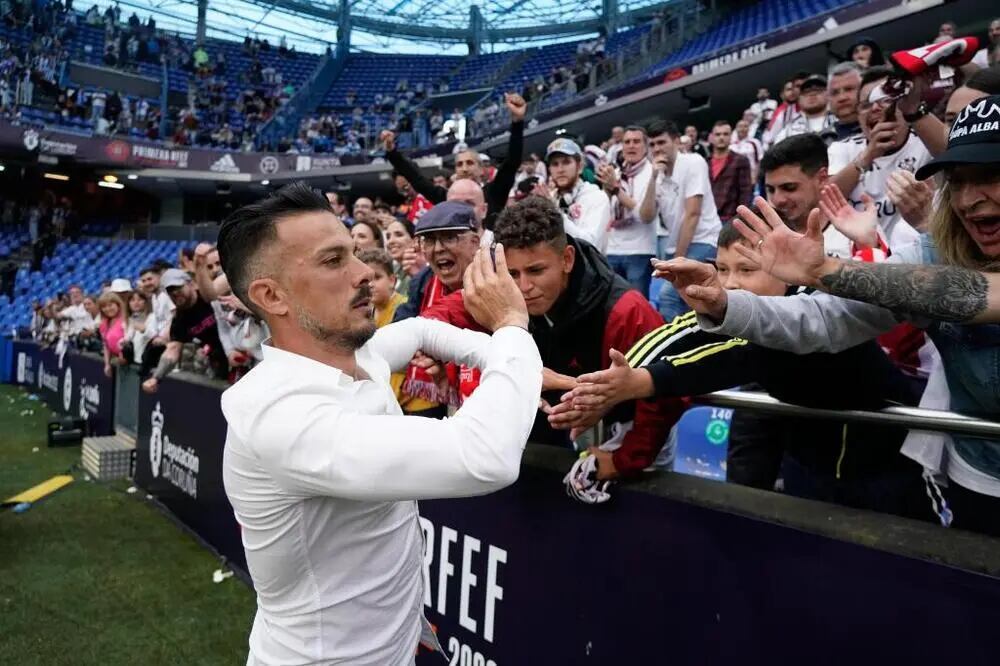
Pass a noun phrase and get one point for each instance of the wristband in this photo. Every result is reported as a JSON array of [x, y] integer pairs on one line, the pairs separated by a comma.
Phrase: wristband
[[921, 111]]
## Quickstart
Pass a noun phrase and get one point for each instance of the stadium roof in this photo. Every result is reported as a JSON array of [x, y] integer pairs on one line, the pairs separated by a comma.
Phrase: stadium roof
[[428, 26]]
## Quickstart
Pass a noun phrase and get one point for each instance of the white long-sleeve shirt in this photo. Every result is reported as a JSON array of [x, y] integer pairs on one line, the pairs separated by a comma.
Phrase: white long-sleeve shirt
[[323, 472], [164, 309], [586, 214]]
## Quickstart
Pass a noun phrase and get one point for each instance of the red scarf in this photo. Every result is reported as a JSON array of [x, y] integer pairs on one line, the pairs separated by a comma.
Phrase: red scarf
[[626, 182], [418, 383]]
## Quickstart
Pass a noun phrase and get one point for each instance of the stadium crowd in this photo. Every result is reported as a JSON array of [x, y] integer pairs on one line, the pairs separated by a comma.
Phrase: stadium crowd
[[844, 160]]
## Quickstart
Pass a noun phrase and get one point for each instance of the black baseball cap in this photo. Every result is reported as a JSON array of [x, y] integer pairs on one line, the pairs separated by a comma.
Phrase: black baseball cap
[[974, 138], [448, 216], [813, 81]]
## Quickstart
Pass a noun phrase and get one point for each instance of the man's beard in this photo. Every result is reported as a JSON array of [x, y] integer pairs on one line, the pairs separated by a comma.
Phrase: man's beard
[[347, 339]]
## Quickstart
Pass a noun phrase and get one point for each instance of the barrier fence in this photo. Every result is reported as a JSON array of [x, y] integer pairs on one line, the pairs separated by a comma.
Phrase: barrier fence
[[674, 569]]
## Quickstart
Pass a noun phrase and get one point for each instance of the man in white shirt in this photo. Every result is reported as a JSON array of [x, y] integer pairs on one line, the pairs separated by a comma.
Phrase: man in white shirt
[[75, 316], [681, 198], [745, 144], [982, 57], [614, 148], [814, 116], [163, 307], [863, 163], [762, 110], [632, 237], [320, 465], [586, 210]]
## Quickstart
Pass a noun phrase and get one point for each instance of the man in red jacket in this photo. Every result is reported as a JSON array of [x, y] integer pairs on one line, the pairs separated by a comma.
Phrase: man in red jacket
[[580, 311]]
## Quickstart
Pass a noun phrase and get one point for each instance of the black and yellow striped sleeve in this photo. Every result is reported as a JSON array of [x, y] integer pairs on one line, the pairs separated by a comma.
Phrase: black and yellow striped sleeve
[[685, 360]]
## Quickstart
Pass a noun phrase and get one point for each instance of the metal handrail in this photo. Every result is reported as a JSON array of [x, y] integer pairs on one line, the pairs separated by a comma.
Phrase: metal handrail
[[907, 417]]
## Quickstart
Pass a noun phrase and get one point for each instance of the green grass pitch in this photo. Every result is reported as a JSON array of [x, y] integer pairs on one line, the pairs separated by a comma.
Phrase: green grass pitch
[[93, 575]]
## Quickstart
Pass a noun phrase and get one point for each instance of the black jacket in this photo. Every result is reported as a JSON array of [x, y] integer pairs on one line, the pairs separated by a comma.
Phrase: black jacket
[[599, 311], [495, 192], [683, 360]]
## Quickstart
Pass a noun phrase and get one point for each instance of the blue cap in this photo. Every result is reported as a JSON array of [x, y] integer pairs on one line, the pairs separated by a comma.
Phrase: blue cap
[[448, 216], [563, 147]]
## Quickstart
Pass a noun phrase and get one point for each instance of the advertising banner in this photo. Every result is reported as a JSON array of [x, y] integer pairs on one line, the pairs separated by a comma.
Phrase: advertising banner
[[73, 384], [179, 461]]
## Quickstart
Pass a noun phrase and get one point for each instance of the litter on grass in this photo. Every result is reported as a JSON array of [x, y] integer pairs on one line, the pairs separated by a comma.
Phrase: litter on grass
[[219, 575]]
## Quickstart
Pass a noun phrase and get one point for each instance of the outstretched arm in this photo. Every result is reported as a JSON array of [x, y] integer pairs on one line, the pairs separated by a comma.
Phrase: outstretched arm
[[945, 293], [408, 170]]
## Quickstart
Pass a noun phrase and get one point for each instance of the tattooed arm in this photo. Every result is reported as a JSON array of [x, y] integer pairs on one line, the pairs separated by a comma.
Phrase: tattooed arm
[[945, 293]]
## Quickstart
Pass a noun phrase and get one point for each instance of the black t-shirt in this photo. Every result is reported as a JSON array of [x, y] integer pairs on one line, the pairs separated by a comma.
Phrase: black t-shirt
[[198, 323]]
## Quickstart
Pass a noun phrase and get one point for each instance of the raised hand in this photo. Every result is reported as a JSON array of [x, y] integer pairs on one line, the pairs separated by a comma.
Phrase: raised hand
[[607, 176], [491, 295], [542, 190], [516, 105], [697, 283], [913, 198], [602, 390], [860, 226], [413, 260], [787, 255], [388, 140]]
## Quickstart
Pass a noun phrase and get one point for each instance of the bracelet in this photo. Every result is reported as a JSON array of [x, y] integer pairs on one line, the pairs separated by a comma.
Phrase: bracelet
[[861, 170], [921, 111]]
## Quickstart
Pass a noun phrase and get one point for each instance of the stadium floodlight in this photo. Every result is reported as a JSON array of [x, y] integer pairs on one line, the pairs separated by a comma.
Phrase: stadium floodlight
[[133, 176], [55, 176], [2, 168], [265, 182], [109, 178], [113, 186]]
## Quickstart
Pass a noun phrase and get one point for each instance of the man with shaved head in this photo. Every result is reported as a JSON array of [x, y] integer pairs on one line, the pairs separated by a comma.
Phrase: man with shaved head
[[469, 192], [469, 166], [322, 469]]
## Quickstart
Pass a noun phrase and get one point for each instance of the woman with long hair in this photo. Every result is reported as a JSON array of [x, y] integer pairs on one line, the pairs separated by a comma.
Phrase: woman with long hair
[[367, 236], [406, 257], [112, 328], [140, 326]]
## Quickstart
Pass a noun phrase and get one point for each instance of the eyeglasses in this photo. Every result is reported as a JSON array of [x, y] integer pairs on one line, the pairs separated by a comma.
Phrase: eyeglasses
[[448, 239], [882, 104]]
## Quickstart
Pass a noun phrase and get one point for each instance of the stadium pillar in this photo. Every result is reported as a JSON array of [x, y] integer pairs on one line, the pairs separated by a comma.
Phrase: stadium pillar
[[344, 27], [202, 13], [477, 26], [609, 16]]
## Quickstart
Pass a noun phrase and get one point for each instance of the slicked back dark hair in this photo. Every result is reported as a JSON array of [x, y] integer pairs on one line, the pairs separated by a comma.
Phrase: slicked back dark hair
[[244, 233], [528, 222], [806, 150]]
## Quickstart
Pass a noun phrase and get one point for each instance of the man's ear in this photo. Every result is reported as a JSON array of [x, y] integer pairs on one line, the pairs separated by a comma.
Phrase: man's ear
[[569, 258], [268, 296], [823, 175]]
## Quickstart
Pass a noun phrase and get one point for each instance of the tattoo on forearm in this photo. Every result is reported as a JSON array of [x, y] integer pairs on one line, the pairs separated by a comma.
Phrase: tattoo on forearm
[[945, 293]]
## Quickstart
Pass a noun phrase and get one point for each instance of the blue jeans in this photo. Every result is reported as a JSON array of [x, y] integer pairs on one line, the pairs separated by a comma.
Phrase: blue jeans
[[635, 268], [671, 303]]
